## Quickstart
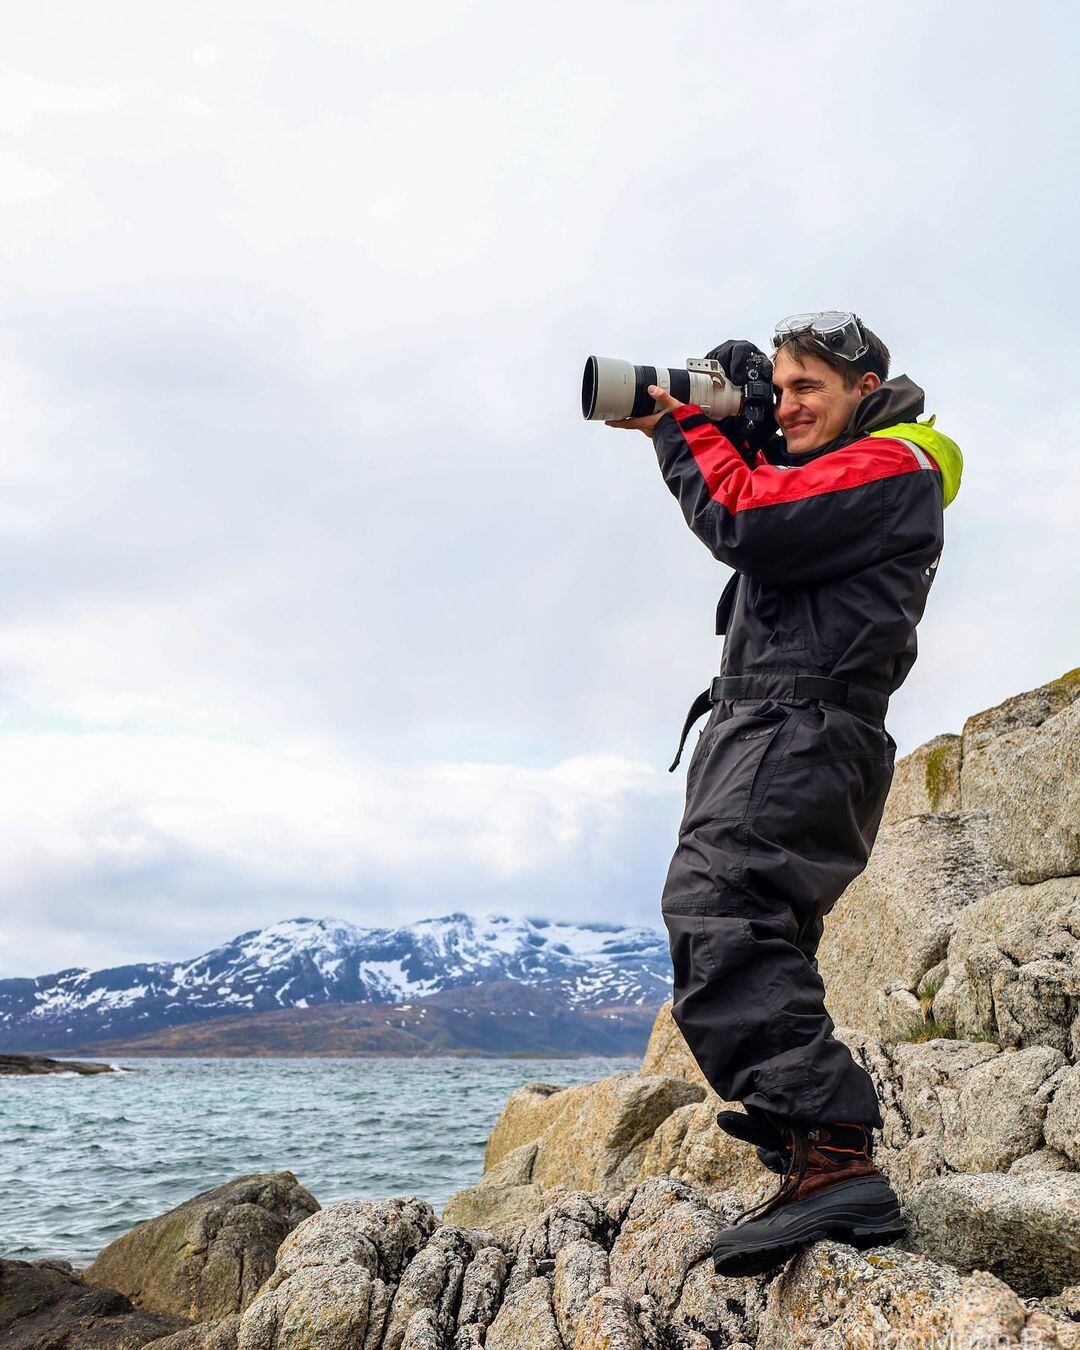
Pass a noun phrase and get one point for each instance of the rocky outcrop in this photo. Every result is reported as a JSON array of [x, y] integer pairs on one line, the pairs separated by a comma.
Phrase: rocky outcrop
[[959, 1106], [926, 782], [956, 961], [596, 1132], [966, 952], [210, 1256], [832, 1296], [1025, 1229], [1012, 973], [45, 1304], [595, 1137], [893, 923], [993, 1254], [19, 1065], [667, 1052], [219, 1334], [1020, 766], [630, 1271], [993, 812], [949, 1106]]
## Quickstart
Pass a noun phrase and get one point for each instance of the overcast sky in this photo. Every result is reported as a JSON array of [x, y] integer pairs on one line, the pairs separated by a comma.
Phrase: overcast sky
[[319, 595]]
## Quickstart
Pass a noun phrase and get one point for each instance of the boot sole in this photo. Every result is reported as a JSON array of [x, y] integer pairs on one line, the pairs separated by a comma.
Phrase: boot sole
[[861, 1215]]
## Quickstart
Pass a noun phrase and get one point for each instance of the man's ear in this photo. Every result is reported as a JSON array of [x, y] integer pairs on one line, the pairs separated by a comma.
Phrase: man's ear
[[868, 383]]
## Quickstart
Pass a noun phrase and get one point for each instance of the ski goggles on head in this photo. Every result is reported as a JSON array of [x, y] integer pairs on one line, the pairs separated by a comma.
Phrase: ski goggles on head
[[836, 330]]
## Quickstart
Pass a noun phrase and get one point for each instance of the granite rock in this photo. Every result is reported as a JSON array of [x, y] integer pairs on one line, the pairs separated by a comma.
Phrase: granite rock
[[219, 1334], [431, 1283], [1062, 1126], [332, 1307], [926, 782], [1021, 766], [894, 922], [209, 1256], [831, 1296], [1014, 967], [44, 1304], [596, 1136], [668, 1229], [1023, 1229], [607, 1322], [382, 1236], [527, 1318], [667, 1055], [582, 1269]]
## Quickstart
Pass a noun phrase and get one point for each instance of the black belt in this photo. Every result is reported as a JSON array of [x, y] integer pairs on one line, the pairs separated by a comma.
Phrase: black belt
[[782, 685]]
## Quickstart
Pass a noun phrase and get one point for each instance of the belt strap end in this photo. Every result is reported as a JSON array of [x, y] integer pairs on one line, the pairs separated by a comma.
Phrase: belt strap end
[[700, 705]]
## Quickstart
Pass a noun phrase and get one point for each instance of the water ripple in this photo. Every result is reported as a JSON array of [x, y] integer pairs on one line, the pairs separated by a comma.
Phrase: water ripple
[[83, 1160]]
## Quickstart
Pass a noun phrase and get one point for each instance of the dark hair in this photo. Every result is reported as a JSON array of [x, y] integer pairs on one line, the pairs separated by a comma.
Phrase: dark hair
[[802, 345]]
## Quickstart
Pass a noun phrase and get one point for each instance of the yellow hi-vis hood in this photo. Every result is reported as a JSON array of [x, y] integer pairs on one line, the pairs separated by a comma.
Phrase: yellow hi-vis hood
[[944, 452]]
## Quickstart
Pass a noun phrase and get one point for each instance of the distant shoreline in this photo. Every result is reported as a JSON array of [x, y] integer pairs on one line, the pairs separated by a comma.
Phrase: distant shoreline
[[15, 1065], [486, 1022], [123, 1053]]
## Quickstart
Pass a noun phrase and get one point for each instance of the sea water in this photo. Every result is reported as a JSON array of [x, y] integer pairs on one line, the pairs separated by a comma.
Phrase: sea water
[[84, 1159]]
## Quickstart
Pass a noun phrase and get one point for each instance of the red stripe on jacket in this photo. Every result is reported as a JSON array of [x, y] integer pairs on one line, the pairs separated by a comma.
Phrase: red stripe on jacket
[[738, 488]]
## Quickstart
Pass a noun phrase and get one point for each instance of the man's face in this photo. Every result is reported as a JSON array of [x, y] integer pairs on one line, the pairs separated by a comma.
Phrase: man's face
[[813, 405]]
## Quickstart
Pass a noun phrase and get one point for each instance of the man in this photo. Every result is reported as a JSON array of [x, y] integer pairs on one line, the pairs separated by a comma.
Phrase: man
[[834, 530]]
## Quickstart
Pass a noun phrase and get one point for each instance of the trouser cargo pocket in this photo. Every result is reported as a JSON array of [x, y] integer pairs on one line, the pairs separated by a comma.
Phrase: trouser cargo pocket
[[730, 768]]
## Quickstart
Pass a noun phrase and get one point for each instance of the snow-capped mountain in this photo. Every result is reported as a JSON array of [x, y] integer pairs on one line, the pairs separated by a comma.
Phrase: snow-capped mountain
[[303, 963]]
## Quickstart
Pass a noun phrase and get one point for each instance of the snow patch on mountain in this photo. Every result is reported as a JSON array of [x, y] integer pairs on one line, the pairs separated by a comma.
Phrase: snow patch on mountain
[[300, 963]]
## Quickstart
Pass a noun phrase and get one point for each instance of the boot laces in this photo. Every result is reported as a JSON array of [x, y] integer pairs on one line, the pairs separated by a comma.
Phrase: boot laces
[[790, 1178]]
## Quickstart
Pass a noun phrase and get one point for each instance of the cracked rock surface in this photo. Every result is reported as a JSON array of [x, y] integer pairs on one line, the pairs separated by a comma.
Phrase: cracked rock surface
[[636, 1274]]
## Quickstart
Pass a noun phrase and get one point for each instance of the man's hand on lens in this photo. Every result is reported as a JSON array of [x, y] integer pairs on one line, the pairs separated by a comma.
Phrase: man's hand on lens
[[646, 424]]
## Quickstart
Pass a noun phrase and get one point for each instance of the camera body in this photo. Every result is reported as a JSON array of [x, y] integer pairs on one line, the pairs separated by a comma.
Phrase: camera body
[[758, 398], [612, 389]]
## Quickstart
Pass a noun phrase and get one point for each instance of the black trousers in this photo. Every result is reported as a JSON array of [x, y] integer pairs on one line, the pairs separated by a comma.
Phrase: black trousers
[[783, 802]]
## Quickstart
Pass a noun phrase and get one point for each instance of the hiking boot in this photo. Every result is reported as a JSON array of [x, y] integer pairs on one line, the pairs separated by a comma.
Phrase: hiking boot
[[829, 1188], [756, 1130]]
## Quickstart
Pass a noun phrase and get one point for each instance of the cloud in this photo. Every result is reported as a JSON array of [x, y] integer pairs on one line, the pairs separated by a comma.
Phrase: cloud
[[295, 313], [25, 98], [165, 838]]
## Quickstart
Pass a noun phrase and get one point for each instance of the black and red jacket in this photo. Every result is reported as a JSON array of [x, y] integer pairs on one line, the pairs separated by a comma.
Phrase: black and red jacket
[[834, 552]]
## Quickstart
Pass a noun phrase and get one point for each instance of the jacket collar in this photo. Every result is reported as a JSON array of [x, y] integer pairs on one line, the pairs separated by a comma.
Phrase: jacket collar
[[897, 400]]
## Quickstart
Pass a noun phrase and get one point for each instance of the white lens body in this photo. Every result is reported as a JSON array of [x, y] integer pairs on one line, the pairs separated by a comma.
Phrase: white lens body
[[711, 389], [612, 388]]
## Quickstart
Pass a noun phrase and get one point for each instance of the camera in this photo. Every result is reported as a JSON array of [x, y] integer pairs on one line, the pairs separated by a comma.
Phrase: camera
[[612, 390]]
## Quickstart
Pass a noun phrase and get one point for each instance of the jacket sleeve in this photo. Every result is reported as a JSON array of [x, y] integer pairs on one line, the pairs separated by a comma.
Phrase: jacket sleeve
[[831, 517]]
